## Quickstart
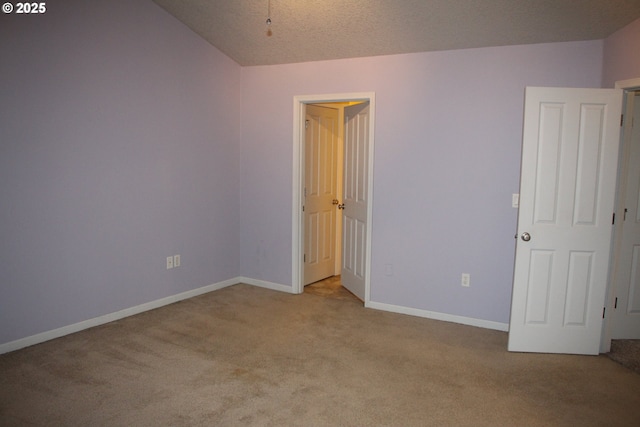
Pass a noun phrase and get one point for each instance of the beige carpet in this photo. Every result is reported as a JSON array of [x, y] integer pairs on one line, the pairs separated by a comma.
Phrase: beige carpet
[[626, 353], [251, 356]]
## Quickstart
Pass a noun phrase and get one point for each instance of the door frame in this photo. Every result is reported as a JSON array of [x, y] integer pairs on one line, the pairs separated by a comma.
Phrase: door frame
[[297, 232], [605, 341]]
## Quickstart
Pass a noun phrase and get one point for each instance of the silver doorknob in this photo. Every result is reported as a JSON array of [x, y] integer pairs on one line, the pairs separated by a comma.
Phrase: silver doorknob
[[341, 206], [526, 236]]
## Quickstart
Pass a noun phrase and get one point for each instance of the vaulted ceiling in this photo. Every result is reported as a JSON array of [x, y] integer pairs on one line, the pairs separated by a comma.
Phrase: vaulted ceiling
[[312, 30]]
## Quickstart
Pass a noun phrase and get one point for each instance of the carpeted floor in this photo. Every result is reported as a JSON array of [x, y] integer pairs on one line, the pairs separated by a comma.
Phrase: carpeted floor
[[626, 353], [250, 356]]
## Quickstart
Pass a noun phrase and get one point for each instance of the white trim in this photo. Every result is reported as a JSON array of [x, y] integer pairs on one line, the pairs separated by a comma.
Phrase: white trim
[[298, 158], [268, 285], [101, 320], [469, 321], [628, 84], [372, 127], [296, 216], [111, 317]]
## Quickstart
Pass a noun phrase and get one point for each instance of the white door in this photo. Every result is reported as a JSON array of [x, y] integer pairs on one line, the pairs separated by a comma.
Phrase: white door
[[626, 313], [355, 205], [320, 189], [567, 187]]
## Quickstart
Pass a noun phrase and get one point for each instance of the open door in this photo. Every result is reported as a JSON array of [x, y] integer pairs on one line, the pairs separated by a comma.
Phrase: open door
[[320, 192], [625, 316], [567, 189], [356, 194]]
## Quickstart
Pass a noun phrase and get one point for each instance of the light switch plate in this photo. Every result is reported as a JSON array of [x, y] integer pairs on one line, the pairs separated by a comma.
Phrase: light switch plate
[[465, 280], [515, 200]]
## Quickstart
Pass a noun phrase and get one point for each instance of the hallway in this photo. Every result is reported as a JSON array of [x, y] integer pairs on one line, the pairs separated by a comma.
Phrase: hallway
[[330, 287]]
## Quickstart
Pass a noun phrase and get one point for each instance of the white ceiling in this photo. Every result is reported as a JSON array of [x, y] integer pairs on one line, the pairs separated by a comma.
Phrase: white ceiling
[[313, 30]]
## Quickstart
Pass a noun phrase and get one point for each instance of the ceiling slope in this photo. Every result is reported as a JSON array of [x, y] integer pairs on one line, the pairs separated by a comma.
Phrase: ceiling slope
[[313, 30]]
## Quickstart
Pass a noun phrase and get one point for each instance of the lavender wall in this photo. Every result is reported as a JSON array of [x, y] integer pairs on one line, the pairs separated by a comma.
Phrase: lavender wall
[[119, 133], [621, 57], [447, 159]]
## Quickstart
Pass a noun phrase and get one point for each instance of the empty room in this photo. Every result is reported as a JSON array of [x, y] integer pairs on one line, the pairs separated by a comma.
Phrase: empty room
[[291, 212]]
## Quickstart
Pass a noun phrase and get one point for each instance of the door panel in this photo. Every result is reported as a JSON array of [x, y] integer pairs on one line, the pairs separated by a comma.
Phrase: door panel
[[538, 298], [321, 145], [576, 303], [569, 164], [626, 313], [356, 160]]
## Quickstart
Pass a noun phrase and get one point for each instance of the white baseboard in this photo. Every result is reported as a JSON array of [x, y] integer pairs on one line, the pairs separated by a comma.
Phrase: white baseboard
[[268, 285], [487, 324], [101, 320]]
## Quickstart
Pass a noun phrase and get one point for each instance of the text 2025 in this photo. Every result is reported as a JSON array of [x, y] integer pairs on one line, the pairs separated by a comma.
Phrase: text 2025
[[31, 7]]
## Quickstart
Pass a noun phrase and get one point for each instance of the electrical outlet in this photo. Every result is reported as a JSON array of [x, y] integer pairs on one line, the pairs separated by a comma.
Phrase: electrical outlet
[[466, 280], [176, 260], [169, 262]]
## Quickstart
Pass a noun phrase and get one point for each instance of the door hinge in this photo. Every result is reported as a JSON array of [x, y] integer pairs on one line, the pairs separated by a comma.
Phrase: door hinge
[[603, 310], [624, 218], [621, 119], [306, 124], [615, 304], [304, 258], [613, 221]]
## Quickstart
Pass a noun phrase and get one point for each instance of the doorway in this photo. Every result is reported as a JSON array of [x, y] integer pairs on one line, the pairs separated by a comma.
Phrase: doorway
[[331, 288], [359, 208], [632, 264], [624, 296]]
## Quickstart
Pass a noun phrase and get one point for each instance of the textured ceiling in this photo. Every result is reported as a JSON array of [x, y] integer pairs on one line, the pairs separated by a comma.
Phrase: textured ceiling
[[313, 30]]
